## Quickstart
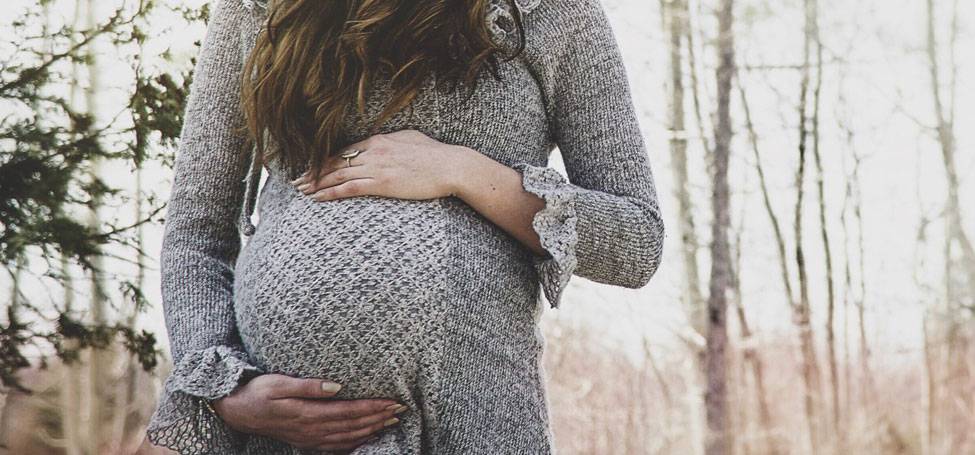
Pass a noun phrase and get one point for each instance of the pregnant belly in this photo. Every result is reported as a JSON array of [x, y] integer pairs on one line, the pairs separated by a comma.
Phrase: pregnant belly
[[344, 290]]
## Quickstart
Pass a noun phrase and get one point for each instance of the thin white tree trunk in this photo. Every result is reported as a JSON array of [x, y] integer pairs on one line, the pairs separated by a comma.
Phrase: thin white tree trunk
[[125, 391], [959, 255], [674, 17], [71, 388], [100, 360], [810, 366], [824, 235]]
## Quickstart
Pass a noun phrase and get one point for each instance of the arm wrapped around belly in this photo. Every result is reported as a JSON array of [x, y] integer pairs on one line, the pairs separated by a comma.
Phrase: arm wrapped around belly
[[200, 245]]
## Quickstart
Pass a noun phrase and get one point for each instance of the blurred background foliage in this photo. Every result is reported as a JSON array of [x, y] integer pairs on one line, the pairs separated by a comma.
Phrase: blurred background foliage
[[56, 200]]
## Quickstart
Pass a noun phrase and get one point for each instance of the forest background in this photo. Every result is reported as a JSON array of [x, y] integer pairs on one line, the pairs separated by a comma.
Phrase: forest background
[[814, 160]]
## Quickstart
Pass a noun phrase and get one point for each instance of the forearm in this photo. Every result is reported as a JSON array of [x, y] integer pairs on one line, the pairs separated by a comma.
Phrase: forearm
[[495, 191]]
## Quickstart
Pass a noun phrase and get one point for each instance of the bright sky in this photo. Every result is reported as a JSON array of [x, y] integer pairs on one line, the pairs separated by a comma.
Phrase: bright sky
[[875, 59]]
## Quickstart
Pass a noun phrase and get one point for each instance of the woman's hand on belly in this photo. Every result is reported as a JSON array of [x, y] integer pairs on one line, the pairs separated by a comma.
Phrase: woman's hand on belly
[[408, 164], [299, 412], [405, 164]]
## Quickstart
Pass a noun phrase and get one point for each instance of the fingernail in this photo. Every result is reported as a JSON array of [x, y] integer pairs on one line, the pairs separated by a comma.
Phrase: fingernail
[[390, 421], [396, 408], [331, 386], [303, 186]]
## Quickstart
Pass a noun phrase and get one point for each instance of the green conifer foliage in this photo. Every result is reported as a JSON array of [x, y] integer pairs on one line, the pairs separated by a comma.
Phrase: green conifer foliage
[[47, 147]]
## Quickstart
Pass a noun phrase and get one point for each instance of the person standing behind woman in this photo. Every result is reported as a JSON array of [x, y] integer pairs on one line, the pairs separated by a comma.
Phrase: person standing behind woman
[[388, 301]]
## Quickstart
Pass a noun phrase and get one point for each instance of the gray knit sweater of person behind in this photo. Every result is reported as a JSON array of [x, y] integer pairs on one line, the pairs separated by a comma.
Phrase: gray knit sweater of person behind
[[422, 301]]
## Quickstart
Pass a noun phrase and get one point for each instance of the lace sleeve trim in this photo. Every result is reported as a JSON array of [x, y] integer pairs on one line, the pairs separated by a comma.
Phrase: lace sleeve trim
[[555, 225], [183, 421]]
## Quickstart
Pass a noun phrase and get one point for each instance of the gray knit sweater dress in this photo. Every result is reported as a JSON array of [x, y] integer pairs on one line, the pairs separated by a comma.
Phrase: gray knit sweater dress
[[422, 301]]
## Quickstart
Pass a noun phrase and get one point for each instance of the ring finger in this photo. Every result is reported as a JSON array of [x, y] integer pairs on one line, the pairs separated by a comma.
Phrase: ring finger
[[334, 163], [336, 176]]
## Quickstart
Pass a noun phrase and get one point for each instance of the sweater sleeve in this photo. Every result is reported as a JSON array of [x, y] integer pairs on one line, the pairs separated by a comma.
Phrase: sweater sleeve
[[604, 222], [199, 248]]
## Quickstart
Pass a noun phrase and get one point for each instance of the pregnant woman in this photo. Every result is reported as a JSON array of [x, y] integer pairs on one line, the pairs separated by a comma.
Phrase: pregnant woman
[[387, 300]]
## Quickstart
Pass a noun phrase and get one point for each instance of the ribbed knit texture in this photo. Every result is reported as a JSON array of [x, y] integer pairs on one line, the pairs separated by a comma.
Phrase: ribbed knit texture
[[425, 302]]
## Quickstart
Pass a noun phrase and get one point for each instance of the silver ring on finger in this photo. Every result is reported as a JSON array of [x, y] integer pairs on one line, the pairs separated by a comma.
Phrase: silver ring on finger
[[349, 155]]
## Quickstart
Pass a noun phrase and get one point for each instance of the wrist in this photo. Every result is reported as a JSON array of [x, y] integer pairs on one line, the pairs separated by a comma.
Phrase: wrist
[[209, 406], [218, 408], [214, 405], [462, 164]]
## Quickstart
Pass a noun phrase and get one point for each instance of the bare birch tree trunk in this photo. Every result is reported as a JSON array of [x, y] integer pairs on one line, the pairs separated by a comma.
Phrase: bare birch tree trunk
[[959, 271], [126, 411], [747, 349], [847, 292], [71, 388], [800, 307], [946, 139], [674, 15], [852, 203], [694, 301], [869, 384], [695, 81], [813, 13], [720, 440], [810, 366], [100, 360]]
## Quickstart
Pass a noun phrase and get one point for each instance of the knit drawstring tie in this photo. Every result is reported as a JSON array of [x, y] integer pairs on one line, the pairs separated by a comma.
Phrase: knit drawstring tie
[[252, 180]]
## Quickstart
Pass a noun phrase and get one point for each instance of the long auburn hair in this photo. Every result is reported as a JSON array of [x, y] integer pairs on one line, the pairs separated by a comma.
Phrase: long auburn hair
[[315, 57]]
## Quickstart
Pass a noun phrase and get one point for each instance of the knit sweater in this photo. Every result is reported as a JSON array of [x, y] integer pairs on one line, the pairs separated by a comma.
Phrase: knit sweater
[[422, 301]]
